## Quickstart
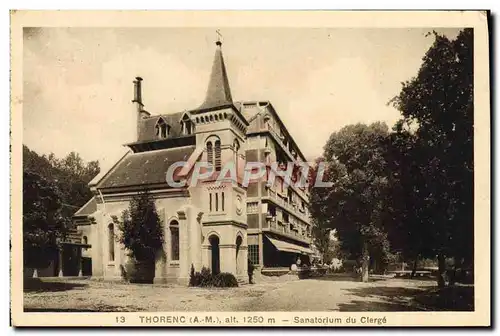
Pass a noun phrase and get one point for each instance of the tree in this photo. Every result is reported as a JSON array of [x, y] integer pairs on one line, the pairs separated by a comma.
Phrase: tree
[[408, 232], [437, 107], [52, 193], [354, 205], [71, 175], [322, 241], [43, 220], [141, 231]]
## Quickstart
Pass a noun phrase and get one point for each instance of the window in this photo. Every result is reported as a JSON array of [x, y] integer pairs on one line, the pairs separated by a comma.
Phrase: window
[[217, 155], [186, 125], [111, 242], [222, 201], [236, 146], [290, 194], [174, 240], [85, 241], [237, 258], [210, 202], [162, 129], [272, 210], [285, 218], [210, 153], [216, 202], [252, 207], [253, 254]]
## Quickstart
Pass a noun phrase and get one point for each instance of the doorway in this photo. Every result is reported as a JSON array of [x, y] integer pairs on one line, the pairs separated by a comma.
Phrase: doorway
[[239, 241], [214, 247]]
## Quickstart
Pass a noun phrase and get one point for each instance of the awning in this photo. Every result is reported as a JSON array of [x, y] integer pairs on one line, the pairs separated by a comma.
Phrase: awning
[[289, 247]]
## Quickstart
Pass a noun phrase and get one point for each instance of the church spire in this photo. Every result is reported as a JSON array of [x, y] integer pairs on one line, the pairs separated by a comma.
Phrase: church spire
[[218, 92]]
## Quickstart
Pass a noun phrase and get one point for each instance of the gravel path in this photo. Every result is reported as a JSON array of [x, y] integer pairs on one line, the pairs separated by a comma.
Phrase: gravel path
[[325, 294]]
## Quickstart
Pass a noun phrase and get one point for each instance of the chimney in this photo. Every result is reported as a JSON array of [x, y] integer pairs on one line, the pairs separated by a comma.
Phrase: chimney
[[141, 113], [138, 94]]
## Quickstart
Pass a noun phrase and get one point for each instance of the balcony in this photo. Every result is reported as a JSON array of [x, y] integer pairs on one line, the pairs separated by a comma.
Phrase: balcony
[[294, 210], [279, 227]]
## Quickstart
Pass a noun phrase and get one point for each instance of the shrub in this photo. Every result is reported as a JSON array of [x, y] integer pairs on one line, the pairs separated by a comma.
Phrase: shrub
[[250, 270], [205, 278], [124, 272], [304, 273], [225, 280], [194, 278]]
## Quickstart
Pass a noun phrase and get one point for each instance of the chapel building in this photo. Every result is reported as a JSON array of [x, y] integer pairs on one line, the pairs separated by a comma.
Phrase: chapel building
[[220, 226]]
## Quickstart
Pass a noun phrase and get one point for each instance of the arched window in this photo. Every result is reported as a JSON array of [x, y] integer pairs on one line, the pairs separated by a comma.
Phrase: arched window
[[111, 242], [215, 253], [236, 146], [210, 153], [222, 201], [216, 201], [174, 240], [217, 156], [239, 241], [210, 202], [162, 129]]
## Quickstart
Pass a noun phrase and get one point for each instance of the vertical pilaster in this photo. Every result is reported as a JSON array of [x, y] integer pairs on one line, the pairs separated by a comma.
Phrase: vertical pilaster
[[96, 246], [228, 258], [161, 258], [244, 262], [195, 236], [184, 254], [261, 250]]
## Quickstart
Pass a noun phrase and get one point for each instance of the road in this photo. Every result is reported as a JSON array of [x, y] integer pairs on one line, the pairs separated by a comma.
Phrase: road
[[325, 294]]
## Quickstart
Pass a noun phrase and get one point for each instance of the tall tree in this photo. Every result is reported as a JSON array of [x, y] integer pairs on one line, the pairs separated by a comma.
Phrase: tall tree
[[437, 107], [43, 220], [354, 205], [53, 190], [323, 242], [71, 175], [409, 235], [142, 234]]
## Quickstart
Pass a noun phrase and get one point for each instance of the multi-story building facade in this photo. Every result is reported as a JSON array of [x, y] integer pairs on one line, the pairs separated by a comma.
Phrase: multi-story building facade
[[279, 229], [220, 226]]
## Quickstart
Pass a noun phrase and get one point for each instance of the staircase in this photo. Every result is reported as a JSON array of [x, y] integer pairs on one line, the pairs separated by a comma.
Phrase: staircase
[[74, 236]]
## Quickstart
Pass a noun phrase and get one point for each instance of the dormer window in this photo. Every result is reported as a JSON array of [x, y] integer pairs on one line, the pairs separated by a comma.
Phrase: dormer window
[[162, 129], [187, 127]]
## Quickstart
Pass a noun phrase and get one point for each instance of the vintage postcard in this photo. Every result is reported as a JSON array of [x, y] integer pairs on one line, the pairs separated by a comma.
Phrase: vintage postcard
[[294, 168]]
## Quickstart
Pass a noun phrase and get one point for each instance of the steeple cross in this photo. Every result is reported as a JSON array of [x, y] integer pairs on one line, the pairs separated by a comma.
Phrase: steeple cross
[[219, 35]]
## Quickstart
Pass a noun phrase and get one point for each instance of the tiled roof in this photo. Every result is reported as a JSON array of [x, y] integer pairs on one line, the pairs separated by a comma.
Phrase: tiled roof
[[147, 130], [218, 92], [145, 167], [88, 209]]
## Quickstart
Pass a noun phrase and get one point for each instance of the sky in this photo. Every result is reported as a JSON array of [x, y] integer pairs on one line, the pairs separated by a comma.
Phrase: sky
[[78, 86]]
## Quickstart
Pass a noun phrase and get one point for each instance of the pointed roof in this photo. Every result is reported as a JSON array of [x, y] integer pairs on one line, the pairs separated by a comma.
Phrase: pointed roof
[[218, 92]]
